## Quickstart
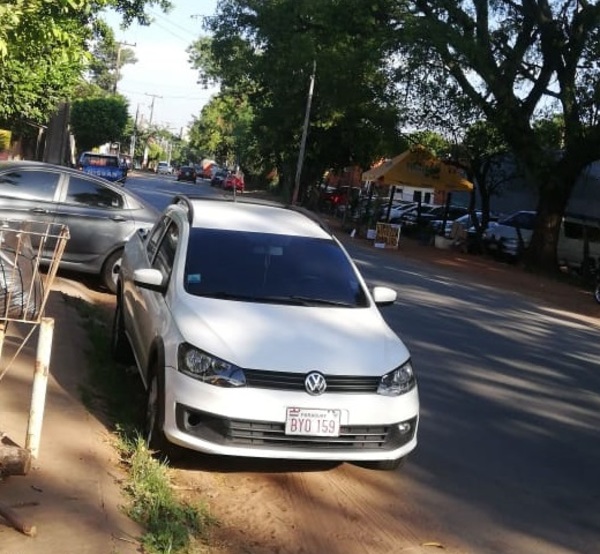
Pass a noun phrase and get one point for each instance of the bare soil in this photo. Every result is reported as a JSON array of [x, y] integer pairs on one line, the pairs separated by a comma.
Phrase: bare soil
[[266, 507]]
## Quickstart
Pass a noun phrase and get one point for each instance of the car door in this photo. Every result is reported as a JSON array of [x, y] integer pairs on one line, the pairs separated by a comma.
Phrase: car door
[[147, 309], [98, 217], [30, 194]]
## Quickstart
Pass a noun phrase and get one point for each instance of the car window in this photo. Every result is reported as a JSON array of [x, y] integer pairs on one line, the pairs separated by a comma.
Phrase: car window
[[266, 267], [33, 185], [522, 220], [89, 193], [165, 254], [155, 236], [100, 160]]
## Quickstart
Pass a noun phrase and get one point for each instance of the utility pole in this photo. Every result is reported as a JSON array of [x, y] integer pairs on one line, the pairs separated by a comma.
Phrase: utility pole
[[134, 136], [304, 133], [118, 68], [154, 97]]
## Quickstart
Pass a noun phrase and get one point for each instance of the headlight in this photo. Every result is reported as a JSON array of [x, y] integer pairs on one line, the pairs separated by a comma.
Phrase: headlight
[[208, 369], [397, 382]]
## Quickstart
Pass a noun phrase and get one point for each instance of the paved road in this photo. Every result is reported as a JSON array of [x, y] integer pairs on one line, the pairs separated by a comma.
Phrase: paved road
[[509, 452]]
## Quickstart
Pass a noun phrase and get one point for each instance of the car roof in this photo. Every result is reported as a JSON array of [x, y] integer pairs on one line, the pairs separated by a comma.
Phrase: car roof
[[52, 167], [252, 216]]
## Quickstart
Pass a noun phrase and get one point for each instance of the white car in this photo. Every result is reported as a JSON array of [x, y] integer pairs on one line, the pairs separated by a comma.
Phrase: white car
[[255, 335], [509, 236], [164, 168]]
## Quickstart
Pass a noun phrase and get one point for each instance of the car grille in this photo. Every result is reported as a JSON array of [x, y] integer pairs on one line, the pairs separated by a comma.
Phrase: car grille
[[295, 381], [260, 434]]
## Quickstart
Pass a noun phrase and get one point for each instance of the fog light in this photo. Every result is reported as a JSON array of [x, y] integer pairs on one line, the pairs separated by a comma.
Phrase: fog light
[[404, 428]]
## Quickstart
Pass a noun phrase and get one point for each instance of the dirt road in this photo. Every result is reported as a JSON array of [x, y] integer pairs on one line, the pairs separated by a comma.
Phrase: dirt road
[[307, 508]]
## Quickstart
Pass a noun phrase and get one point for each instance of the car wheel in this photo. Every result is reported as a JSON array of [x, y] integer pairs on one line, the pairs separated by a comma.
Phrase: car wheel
[[385, 465], [110, 271], [119, 344], [155, 419]]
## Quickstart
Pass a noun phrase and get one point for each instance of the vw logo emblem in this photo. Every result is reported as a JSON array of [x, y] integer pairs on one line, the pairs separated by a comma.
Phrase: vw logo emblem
[[315, 383]]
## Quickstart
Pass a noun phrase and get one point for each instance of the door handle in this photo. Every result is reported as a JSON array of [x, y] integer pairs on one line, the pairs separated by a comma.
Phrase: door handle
[[38, 211], [117, 218]]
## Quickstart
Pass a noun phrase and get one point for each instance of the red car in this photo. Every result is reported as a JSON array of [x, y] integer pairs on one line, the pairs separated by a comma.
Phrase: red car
[[233, 180]]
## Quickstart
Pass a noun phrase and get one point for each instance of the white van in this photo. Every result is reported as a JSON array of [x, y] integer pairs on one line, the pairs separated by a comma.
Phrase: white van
[[503, 237], [574, 231]]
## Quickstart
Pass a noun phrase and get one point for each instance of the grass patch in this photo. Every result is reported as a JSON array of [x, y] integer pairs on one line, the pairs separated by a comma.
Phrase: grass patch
[[172, 526]]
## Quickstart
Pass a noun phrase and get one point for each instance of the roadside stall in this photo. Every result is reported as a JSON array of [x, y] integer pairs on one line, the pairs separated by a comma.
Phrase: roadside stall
[[419, 168]]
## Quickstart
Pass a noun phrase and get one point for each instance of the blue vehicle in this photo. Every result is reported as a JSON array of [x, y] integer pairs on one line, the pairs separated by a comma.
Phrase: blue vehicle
[[107, 166]]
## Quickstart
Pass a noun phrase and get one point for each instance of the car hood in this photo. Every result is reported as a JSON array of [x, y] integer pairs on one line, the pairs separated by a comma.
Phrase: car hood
[[343, 341]]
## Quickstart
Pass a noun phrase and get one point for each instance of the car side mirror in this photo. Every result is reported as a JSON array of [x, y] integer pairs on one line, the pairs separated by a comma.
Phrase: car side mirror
[[384, 296], [149, 278]]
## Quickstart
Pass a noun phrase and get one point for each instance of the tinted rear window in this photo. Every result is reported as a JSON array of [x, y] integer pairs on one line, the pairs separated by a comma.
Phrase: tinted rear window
[[99, 160]]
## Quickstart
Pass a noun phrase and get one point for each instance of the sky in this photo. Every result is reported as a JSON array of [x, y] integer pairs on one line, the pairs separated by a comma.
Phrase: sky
[[162, 76]]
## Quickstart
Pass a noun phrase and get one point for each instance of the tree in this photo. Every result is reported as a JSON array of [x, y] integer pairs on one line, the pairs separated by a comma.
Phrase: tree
[[108, 56], [264, 51], [515, 62], [44, 50], [96, 121]]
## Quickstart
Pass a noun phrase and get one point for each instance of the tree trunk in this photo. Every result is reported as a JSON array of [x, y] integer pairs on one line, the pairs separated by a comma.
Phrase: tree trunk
[[552, 203]]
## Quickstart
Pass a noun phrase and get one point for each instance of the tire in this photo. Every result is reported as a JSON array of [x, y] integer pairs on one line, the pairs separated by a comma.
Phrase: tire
[[119, 344], [597, 292], [110, 271], [155, 420]]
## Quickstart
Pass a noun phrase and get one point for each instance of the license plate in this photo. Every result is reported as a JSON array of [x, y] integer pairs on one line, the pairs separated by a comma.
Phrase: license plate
[[312, 422]]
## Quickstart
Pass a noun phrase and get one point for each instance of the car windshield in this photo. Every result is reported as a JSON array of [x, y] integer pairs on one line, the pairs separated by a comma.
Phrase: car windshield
[[263, 267]]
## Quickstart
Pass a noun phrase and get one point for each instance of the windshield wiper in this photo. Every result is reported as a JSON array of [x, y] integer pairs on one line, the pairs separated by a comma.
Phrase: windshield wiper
[[289, 300], [322, 301]]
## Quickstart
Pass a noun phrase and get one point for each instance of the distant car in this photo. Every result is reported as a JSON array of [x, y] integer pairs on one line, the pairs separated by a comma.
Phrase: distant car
[[255, 335], [164, 168], [409, 218], [397, 209], [101, 216], [509, 236], [186, 173], [219, 178], [439, 227], [233, 180], [107, 166]]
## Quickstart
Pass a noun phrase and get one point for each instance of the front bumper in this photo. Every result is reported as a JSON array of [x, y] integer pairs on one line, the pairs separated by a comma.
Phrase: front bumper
[[251, 422]]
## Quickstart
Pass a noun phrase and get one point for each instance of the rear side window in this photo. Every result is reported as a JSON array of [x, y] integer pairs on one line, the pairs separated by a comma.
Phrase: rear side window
[[99, 160], [29, 185], [165, 255], [88, 193]]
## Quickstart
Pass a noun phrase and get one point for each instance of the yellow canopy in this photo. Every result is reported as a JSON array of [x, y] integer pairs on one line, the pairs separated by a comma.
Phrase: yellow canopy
[[418, 167]]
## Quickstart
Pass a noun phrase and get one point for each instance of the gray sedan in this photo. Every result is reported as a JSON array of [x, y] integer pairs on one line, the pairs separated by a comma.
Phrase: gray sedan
[[101, 216]]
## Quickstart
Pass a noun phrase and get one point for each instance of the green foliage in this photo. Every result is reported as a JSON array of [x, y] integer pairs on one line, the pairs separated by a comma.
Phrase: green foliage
[[96, 121], [264, 53], [108, 57], [171, 524], [44, 50], [513, 63]]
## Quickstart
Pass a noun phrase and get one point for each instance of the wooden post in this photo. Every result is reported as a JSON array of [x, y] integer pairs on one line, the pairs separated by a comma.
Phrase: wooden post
[[40, 382]]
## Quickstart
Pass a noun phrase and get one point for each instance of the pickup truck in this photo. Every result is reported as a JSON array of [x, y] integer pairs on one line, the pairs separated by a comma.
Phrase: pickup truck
[[108, 166]]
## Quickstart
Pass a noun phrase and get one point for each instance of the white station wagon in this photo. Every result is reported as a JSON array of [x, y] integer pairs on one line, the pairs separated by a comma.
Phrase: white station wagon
[[255, 335]]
